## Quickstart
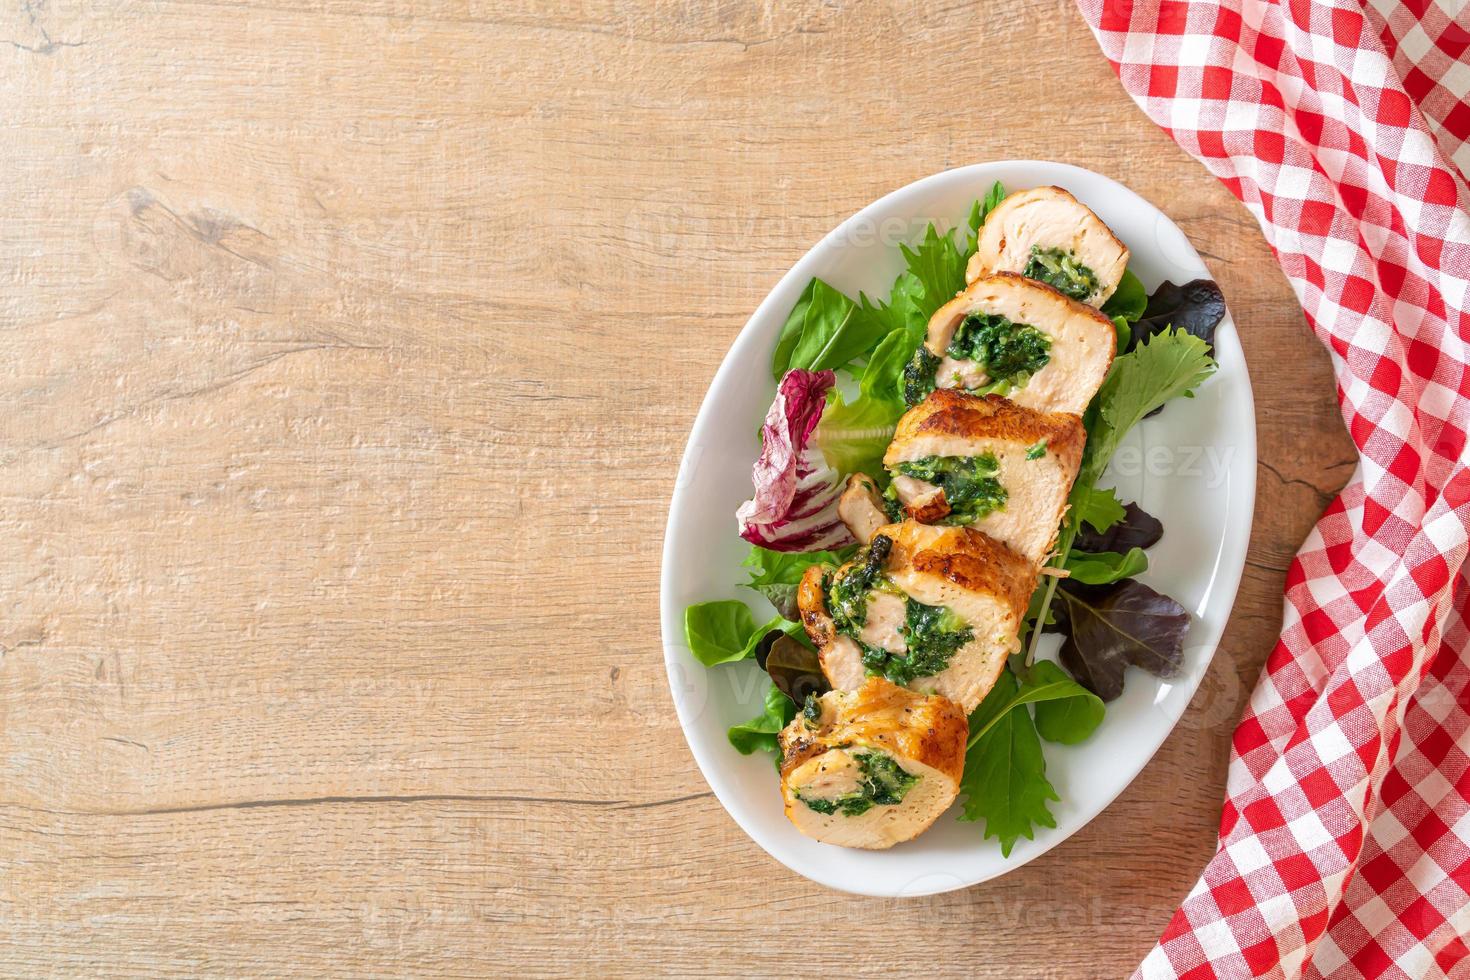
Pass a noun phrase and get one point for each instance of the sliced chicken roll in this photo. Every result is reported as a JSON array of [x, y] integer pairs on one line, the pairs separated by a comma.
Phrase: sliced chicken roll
[[988, 463], [872, 767], [934, 609], [862, 508], [1047, 234], [1007, 335]]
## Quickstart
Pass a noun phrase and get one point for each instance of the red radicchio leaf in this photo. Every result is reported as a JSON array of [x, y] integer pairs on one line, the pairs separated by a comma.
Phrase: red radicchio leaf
[[795, 503]]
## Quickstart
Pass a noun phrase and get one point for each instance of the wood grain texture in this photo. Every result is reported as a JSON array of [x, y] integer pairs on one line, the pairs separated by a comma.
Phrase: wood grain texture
[[349, 348]]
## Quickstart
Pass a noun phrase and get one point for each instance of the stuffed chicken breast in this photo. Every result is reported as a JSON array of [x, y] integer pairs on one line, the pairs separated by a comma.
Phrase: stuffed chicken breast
[[872, 767], [862, 507], [1006, 335], [1048, 235], [934, 609], [988, 463]]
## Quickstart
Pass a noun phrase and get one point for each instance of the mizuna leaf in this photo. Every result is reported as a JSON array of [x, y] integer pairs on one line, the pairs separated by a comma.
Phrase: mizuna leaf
[[1005, 781]]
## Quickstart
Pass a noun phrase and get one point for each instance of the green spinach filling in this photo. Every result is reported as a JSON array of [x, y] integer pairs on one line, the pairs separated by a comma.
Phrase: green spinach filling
[[931, 634], [1061, 271], [969, 483], [918, 375], [884, 783], [1010, 352]]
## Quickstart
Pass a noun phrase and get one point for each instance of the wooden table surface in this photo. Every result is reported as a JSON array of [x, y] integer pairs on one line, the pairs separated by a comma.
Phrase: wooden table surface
[[349, 349]]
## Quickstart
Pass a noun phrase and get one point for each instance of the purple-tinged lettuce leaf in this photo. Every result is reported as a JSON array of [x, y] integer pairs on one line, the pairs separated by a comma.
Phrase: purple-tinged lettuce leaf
[[796, 490], [1137, 529], [1109, 627], [1197, 307]]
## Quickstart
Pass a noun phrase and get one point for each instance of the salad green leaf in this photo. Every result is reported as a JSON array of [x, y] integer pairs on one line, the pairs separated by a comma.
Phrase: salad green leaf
[[825, 330], [1070, 713], [1005, 782], [759, 734], [1109, 627], [1099, 508], [724, 631], [1165, 366], [1128, 301], [1102, 567], [776, 574]]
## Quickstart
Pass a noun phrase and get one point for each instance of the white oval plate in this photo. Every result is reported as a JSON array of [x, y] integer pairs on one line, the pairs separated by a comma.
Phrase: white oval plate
[[1193, 466]]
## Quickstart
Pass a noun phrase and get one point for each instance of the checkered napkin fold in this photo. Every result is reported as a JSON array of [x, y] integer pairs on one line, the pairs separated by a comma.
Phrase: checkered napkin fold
[[1344, 127]]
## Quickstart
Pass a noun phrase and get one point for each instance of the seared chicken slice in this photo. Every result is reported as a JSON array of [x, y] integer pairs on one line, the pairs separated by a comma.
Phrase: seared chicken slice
[[1059, 371], [936, 609], [861, 507], [955, 439], [1048, 234], [872, 767]]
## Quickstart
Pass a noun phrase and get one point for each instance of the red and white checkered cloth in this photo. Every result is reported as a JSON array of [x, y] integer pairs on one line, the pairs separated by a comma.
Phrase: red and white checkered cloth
[[1345, 128]]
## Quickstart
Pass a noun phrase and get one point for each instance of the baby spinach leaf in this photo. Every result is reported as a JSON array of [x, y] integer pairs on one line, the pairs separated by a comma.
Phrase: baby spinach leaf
[[724, 631], [717, 632], [1102, 567], [833, 330], [1039, 684], [1196, 308], [1128, 301], [1066, 712], [1136, 529], [1005, 781], [759, 734], [1109, 627]]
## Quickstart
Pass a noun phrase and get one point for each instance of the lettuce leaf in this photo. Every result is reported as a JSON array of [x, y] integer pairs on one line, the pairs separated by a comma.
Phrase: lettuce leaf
[[776, 574], [1110, 627], [796, 489]]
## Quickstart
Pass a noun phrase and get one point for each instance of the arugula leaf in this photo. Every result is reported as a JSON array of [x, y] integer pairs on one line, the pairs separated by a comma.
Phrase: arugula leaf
[[1100, 508], [1137, 529], [759, 734], [1128, 301], [1005, 781], [1109, 627], [724, 631], [1165, 366], [1102, 567], [776, 574]]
